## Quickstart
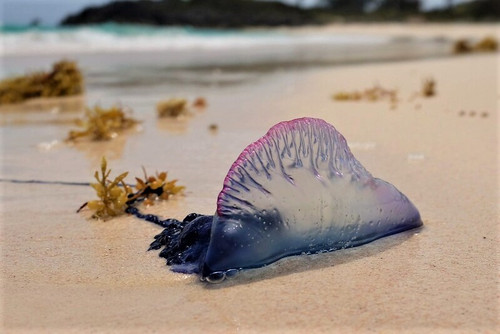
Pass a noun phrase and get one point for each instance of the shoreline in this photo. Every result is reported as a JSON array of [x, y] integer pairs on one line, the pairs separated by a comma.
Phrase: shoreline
[[449, 30], [391, 42]]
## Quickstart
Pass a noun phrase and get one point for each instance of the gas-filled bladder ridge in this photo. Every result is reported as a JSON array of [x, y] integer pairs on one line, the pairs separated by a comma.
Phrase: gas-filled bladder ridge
[[296, 190]]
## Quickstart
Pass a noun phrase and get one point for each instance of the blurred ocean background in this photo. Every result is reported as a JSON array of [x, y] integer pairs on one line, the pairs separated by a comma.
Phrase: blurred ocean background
[[32, 38], [111, 46], [111, 37], [120, 59]]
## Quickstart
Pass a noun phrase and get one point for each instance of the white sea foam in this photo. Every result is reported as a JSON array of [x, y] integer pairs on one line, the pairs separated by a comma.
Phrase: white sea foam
[[116, 38]]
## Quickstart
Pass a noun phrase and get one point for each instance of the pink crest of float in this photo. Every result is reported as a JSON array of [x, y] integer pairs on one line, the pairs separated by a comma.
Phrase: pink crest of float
[[269, 140]]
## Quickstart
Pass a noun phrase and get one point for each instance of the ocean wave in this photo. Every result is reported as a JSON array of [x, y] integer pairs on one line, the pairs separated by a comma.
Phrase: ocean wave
[[133, 38]]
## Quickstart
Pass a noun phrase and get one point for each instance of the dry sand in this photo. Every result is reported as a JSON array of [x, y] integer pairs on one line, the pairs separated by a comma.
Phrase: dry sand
[[64, 273]]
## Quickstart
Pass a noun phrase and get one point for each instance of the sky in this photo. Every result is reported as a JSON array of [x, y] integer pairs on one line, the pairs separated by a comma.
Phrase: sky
[[51, 12]]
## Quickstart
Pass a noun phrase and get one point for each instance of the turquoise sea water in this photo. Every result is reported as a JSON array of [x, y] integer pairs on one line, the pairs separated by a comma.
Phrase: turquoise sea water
[[117, 29]]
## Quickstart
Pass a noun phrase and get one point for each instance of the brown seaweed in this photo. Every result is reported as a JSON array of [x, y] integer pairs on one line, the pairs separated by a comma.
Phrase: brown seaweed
[[65, 79], [462, 46], [112, 198], [487, 44], [115, 197], [428, 87], [372, 94], [200, 102], [156, 187], [102, 124], [172, 107]]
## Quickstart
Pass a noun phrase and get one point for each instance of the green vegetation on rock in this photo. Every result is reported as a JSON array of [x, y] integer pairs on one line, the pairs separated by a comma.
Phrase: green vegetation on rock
[[251, 13]]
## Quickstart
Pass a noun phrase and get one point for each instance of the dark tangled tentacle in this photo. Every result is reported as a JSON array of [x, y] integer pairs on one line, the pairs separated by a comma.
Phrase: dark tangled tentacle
[[153, 218], [184, 242]]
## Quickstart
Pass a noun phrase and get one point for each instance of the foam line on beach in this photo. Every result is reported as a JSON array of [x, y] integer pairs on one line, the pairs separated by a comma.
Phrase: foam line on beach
[[126, 38]]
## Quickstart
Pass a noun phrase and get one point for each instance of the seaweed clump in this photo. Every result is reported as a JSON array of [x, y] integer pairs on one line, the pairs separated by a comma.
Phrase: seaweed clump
[[175, 107], [172, 107], [65, 79], [102, 124], [200, 102], [486, 44], [112, 198], [462, 46], [373, 94], [116, 197], [156, 187], [428, 87]]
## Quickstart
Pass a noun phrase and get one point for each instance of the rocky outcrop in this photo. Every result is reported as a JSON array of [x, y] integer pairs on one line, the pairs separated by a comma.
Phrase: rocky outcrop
[[197, 13]]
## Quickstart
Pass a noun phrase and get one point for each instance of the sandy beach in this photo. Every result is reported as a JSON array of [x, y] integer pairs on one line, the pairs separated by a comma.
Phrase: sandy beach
[[65, 273]]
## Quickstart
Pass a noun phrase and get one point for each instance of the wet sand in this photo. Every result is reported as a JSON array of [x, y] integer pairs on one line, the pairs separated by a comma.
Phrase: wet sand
[[62, 272]]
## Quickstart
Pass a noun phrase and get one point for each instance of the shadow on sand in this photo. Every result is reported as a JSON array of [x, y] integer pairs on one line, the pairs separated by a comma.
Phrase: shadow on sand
[[302, 263]]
